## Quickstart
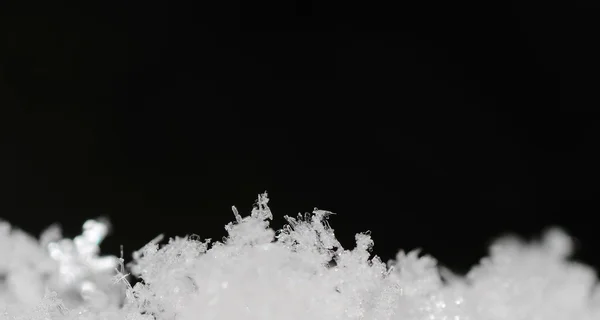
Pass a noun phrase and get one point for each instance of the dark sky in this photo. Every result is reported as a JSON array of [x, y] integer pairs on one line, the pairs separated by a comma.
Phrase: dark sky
[[434, 125]]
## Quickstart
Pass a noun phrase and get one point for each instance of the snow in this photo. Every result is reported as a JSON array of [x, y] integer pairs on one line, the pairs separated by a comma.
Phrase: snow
[[260, 273]]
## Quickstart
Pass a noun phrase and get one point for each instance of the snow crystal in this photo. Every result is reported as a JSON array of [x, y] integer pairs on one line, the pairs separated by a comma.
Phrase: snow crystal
[[298, 272]]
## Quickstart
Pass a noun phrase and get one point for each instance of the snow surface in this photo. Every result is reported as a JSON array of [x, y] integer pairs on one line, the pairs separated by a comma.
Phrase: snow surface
[[258, 273]]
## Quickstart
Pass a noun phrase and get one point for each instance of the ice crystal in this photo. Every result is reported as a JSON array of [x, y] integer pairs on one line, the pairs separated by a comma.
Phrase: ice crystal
[[298, 272]]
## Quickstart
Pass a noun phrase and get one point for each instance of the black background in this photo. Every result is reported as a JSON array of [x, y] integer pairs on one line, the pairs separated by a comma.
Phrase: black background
[[434, 125]]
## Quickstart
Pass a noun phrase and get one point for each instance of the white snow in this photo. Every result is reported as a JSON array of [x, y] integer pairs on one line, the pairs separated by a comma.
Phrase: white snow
[[259, 273]]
